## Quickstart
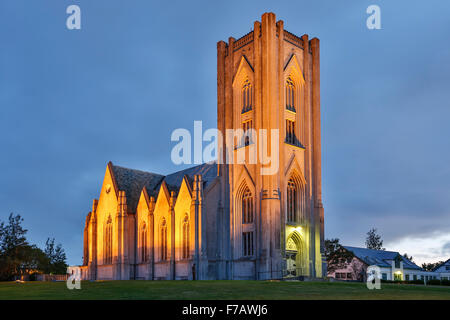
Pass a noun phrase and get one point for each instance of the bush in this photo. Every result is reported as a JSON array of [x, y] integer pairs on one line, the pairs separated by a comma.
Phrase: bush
[[416, 282], [445, 282]]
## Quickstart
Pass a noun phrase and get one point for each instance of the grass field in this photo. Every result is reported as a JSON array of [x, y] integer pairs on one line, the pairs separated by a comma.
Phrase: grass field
[[196, 290]]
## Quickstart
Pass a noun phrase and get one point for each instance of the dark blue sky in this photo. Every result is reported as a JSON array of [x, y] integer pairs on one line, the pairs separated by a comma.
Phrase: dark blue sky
[[70, 101]]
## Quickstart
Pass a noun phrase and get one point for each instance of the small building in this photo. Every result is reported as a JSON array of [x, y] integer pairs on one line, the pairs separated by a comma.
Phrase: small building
[[442, 271], [393, 266]]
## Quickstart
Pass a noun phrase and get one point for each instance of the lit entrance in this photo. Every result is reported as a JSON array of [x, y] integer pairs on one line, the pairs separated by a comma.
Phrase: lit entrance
[[293, 257]]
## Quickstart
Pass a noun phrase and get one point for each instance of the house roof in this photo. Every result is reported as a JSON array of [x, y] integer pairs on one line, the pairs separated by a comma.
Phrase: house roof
[[132, 181], [380, 258], [440, 265]]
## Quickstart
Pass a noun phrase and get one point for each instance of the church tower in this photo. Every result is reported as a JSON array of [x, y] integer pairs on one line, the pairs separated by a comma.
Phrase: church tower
[[268, 88]]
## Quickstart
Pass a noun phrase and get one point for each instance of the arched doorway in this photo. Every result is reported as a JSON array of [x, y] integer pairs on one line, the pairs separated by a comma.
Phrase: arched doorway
[[293, 256]]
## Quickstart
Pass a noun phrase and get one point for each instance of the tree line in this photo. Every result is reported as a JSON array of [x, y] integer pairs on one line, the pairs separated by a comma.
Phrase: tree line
[[18, 257]]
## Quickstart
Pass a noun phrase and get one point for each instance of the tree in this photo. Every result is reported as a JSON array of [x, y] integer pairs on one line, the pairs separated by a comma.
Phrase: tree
[[410, 258], [13, 247], [359, 270], [337, 256], [18, 257], [373, 240], [431, 266], [56, 258]]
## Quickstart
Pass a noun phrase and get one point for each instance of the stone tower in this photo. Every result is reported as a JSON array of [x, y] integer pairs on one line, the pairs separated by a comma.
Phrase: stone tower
[[272, 215]]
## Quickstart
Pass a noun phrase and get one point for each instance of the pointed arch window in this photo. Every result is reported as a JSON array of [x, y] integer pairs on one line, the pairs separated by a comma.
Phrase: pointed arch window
[[247, 207], [108, 241], [185, 231], [144, 249], [291, 201], [290, 94], [296, 202], [247, 96], [163, 234]]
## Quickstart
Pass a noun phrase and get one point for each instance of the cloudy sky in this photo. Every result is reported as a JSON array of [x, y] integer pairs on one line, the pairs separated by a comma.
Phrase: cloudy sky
[[70, 101]]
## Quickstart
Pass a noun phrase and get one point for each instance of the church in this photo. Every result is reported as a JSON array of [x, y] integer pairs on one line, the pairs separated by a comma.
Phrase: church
[[227, 220]]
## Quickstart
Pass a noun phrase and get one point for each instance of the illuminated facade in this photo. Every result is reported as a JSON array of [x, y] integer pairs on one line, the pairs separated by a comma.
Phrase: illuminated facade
[[227, 221]]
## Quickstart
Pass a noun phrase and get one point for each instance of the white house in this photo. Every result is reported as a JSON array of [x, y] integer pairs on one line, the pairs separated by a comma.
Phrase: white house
[[393, 266], [442, 271]]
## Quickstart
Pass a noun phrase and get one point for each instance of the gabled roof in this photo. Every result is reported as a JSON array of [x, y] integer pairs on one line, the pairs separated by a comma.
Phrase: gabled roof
[[440, 265], [132, 181], [208, 171], [380, 258]]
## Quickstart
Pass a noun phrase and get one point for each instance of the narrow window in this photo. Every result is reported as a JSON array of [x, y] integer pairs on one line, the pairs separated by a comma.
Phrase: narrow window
[[247, 96], [247, 238], [163, 233], [290, 94], [247, 126], [108, 241], [185, 246], [290, 132], [144, 255], [291, 201], [247, 207]]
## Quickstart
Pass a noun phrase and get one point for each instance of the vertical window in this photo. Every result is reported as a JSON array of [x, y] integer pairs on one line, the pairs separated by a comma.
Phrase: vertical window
[[247, 126], [247, 245], [290, 132], [247, 96], [185, 246], [290, 94], [108, 241], [247, 207], [292, 195], [163, 234], [144, 255]]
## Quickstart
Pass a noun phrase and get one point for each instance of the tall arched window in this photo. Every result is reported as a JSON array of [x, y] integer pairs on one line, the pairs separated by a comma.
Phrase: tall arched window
[[290, 94], [185, 231], [108, 241], [163, 234], [247, 96], [292, 195], [296, 201], [144, 250], [247, 207]]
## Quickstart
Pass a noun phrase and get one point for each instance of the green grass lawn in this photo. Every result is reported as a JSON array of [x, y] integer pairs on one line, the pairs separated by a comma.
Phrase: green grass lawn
[[193, 290]]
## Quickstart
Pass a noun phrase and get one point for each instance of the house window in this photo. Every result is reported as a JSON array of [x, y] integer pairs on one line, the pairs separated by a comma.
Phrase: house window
[[247, 244], [108, 241], [384, 276], [290, 94], [247, 96], [247, 207], [144, 255], [185, 253], [407, 277], [349, 275], [447, 268], [338, 275], [290, 132], [163, 234], [415, 277]]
